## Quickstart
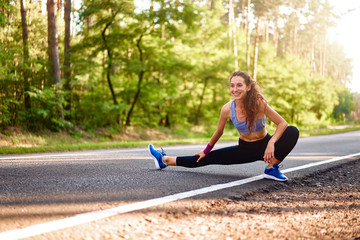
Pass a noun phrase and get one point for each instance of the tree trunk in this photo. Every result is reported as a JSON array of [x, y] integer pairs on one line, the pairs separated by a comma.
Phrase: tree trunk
[[295, 34], [163, 31], [151, 5], [198, 111], [53, 48], [290, 44], [243, 19], [312, 59], [26, 56], [320, 59], [73, 18], [248, 36], [235, 47], [52, 41], [162, 23], [141, 76], [276, 34], [324, 58], [294, 45], [67, 70], [275, 41], [266, 29], [59, 5], [229, 23], [210, 3], [109, 66], [256, 47], [232, 31]]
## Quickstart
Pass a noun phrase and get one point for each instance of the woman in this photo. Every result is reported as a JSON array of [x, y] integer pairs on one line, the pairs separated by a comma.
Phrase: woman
[[247, 111]]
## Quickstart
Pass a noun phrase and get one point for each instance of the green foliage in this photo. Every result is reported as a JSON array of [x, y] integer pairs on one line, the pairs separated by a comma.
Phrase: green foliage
[[94, 112], [345, 104], [46, 110], [6, 8], [169, 65], [5, 113]]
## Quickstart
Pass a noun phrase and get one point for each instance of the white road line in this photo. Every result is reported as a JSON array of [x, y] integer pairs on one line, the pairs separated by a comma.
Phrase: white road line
[[96, 215], [58, 155], [86, 153], [320, 163], [60, 160]]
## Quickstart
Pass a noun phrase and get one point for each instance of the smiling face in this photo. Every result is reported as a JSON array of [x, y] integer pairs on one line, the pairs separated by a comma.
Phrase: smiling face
[[238, 88]]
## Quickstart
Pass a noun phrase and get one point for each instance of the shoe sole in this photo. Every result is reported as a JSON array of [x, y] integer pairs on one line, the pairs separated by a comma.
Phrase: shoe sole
[[267, 176], [157, 166]]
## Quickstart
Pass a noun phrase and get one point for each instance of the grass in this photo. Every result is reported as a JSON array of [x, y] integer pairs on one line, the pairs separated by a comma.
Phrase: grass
[[14, 141]]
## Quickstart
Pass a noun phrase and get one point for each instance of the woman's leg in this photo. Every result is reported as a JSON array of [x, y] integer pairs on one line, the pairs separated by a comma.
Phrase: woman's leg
[[286, 143], [170, 161], [245, 152], [284, 146], [221, 156]]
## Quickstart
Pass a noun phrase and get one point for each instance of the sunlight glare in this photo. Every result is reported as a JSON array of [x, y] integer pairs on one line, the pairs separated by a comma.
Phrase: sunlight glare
[[348, 36]]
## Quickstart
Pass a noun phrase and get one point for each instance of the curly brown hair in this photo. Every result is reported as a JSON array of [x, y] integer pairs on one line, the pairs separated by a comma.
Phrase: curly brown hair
[[253, 96]]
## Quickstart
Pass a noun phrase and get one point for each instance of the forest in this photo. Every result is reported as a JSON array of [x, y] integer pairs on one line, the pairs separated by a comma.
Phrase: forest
[[166, 63]]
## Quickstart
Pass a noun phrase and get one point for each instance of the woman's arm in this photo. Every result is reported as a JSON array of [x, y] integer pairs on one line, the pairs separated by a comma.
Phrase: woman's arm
[[280, 128], [219, 130], [221, 125]]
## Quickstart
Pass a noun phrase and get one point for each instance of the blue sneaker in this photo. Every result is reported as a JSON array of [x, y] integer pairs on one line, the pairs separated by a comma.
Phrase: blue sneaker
[[274, 173], [157, 156]]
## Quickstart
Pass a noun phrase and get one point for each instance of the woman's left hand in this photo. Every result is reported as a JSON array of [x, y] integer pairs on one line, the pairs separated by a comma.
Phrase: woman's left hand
[[201, 155], [269, 152]]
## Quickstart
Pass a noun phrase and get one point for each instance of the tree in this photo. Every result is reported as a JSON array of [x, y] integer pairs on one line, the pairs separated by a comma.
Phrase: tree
[[53, 48], [261, 8], [345, 105], [52, 43], [67, 69], [256, 47], [26, 56], [247, 28], [140, 79], [109, 54], [166, 65], [232, 32], [105, 29]]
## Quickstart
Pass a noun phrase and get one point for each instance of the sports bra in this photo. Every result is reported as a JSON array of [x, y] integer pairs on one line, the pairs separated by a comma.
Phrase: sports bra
[[242, 126]]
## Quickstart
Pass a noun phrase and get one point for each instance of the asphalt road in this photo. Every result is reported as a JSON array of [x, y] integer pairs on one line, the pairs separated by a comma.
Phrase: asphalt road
[[37, 188]]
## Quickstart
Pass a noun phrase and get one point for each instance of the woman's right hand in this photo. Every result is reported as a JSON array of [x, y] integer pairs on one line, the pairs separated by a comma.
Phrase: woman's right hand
[[201, 155]]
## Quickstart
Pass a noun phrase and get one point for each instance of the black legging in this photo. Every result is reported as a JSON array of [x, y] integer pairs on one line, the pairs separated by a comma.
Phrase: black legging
[[245, 152]]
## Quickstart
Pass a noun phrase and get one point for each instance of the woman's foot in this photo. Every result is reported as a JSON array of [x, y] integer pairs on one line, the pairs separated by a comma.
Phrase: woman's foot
[[274, 173], [157, 156]]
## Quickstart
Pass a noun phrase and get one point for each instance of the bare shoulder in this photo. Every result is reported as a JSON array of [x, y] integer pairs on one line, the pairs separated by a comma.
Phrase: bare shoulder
[[262, 104], [226, 110]]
